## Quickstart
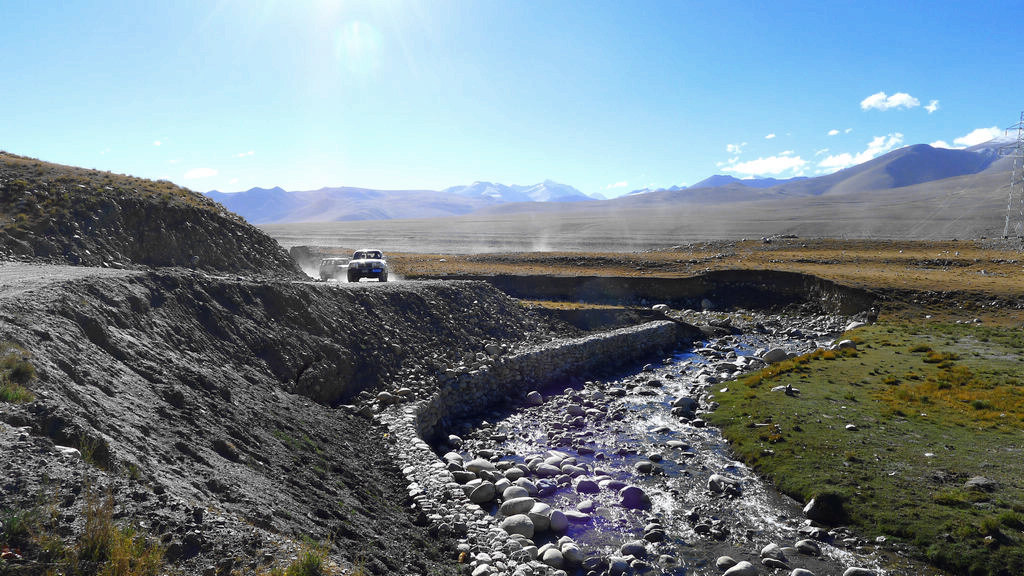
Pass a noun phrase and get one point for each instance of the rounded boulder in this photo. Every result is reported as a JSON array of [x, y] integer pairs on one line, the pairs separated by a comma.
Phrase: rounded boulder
[[559, 522], [518, 524], [634, 498], [742, 568], [483, 493], [517, 506]]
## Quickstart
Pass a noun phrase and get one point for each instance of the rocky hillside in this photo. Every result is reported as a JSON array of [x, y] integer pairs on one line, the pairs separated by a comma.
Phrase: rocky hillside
[[85, 217], [230, 419]]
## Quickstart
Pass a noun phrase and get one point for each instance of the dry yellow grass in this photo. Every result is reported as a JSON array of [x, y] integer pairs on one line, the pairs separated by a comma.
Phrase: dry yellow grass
[[966, 272], [872, 264]]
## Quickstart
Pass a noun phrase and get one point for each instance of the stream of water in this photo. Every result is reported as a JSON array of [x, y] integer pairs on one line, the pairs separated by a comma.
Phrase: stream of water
[[624, 431]]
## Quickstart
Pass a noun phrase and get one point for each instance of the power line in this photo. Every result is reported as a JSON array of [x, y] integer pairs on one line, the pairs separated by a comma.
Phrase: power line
[[1015, 151]]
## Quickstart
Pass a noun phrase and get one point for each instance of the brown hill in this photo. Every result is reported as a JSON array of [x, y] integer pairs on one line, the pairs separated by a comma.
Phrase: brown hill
[[906, 166], [64, 214]]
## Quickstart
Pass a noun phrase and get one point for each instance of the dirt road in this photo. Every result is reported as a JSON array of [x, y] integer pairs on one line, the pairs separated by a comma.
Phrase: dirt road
[[19, 277]]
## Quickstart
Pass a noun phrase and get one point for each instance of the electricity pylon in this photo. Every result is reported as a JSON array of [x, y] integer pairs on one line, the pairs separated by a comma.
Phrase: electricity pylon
[[1016, 151]]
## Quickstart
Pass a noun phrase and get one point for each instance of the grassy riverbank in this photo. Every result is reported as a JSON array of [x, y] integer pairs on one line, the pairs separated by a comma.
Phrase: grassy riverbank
[[932, 405]]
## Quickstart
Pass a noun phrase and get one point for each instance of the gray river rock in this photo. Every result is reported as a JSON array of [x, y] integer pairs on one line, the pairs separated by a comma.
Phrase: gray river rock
[[517, 506], [518, 524], [742, 568]]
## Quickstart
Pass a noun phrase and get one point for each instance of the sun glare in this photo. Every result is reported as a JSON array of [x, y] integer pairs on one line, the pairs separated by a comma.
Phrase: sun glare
[[357, 47]]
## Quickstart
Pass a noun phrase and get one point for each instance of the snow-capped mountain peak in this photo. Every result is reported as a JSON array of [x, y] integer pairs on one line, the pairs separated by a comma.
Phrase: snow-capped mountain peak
[[546, 191]]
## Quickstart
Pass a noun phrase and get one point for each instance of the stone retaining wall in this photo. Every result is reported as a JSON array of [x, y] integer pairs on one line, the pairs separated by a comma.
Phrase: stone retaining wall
[[433, 488]]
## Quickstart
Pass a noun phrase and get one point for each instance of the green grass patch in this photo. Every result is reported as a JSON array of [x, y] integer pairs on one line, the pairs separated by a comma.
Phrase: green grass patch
[[119, 551], [311, 561], [302, 443], [934, 405], [15, 393], [16, 370], [103, 549], [17, 525]]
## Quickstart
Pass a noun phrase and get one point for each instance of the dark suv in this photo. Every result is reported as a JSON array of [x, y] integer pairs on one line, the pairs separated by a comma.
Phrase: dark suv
[[367, 264]]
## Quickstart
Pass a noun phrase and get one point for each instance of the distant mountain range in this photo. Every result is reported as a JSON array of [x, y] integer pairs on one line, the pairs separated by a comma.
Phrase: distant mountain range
[[905, 167], [276, 205]]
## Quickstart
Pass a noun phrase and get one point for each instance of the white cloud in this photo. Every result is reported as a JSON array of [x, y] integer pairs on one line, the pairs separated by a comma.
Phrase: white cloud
[[770, 136], [882, 144], [879, 145], [157, 143], [833, 132], [772, 165], [821, 152], [879, 101], [932, 106], [940, 144], [233, 181], [196, 173], [848, 130], [977, 136], [244, 154], [837, 161], [619, 184], [735, 148]]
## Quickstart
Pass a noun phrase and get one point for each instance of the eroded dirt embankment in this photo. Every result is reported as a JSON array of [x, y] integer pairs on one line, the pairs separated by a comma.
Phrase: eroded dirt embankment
[[723, 289], [194, 394]]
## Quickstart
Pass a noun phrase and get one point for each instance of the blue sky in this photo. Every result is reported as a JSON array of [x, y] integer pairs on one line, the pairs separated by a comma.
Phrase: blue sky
[[605, 96]]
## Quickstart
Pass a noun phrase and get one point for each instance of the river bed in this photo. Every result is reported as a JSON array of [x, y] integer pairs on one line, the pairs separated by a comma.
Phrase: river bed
[[643, 428]]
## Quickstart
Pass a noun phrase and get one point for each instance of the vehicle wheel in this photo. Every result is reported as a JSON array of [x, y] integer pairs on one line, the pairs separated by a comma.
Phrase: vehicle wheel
[[353, 277], [384, 277]]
